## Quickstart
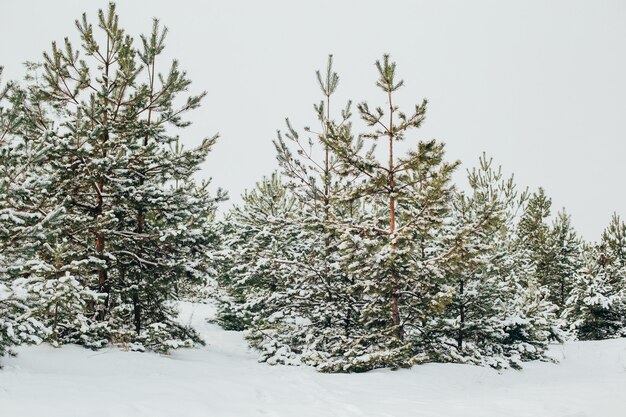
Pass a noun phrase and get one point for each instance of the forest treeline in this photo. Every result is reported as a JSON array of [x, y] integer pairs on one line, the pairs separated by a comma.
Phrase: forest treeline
[[355, 254]]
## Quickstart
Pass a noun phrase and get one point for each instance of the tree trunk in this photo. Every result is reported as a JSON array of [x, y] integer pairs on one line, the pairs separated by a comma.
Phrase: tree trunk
[[327, 240], [103, 279], [137, 312], [141, 212], [395, 296]]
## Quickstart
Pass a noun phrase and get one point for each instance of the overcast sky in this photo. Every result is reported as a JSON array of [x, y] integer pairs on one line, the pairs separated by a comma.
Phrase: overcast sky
[[538, 85]]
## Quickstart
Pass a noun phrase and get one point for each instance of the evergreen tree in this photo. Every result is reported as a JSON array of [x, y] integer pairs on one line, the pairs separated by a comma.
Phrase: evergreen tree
[[131, 226], [19, 229], [391, 252], [294, 276], [566, 261], [264, 245], [4, 290], [357, 264], [596, 308], [554, 251], [470, 325], [494, 316], [331, 308], [534, 234]]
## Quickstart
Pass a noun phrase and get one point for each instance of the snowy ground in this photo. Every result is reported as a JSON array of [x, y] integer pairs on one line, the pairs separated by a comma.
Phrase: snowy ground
[[223, 379]]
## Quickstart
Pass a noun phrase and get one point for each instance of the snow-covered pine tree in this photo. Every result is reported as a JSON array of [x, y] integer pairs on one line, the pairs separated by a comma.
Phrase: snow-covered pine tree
[[596, 308], [494, 317], [134, 223], [531, 316], [534, 234], [392, 252], [20, 228], [5, 218], [469, 329], [554, 250], [310, 167], [566, 259], [265, 243]]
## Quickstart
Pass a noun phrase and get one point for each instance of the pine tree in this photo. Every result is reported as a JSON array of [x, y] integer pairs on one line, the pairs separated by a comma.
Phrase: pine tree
[[131, 225], [330, 307], [531, 317], [264, 245], [554, 251], [17, 324], [476, 275], [356, 263], [4, 290], [391, 253], [596, 308], [292, 296], [494, 316], [534, 233], [566, 259]]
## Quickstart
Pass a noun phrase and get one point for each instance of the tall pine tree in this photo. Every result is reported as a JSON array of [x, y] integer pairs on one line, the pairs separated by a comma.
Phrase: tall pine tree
[[311, 169], [132, 224], [392, 252]]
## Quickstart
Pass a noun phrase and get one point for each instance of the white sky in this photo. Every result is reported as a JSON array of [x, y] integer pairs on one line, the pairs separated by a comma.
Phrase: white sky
[[539, 85]]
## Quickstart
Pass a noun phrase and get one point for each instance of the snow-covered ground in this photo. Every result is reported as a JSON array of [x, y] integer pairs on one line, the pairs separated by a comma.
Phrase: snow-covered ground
[[223, 379]]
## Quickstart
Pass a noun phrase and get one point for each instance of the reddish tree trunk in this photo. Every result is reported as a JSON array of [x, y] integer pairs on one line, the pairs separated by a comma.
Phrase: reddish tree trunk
[[395, 296]]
